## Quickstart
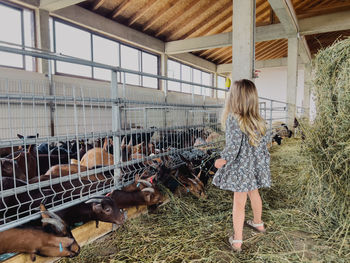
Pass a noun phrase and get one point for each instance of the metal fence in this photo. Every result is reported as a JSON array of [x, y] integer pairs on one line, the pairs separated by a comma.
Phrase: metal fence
[[83, 138]]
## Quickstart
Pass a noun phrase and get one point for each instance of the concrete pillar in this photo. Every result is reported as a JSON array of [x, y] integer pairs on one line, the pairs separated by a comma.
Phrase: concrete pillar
[[42, 37], [292, 79], [307, 90], [243, 23]]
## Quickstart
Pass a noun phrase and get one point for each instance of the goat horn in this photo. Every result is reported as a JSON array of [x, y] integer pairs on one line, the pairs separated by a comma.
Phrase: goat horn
[[192, 180], [93, 200], [148, 189], [199, 174], [53, 215], [144, 182], [59, 225]]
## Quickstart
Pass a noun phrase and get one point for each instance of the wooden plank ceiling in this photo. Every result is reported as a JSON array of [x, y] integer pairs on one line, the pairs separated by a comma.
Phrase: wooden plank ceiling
[[171, 20]]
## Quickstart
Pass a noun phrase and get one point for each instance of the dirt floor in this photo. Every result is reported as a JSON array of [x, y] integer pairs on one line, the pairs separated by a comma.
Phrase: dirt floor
[[191, 230]]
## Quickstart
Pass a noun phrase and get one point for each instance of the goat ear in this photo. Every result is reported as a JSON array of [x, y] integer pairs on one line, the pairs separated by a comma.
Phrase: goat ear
[[20, 136]]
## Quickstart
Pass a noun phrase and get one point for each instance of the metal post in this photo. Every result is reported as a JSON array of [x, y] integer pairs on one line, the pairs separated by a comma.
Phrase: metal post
[[271, 107], [115, 126]]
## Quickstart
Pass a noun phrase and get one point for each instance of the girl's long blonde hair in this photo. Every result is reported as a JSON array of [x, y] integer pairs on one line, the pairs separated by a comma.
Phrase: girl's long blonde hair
[[243, 102]]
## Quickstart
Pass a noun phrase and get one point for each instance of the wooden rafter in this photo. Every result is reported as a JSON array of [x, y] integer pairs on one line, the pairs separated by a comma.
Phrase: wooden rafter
[[187, 9], [209, 51], [223, 57], [166, 8], [271, 45], [215, 53], [324, 9], [220, 27], [180, 26], [224, 9], [222, 53], [210, 27], [141, 12], [97, 4], [228, 60], [120, 8], [275, 49]]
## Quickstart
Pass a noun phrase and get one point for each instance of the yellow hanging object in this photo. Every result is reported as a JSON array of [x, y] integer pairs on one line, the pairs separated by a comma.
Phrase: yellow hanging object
[[228, 83]]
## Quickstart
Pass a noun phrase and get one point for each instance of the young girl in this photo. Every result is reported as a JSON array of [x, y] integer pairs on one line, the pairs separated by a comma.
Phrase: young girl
[[245, 163]]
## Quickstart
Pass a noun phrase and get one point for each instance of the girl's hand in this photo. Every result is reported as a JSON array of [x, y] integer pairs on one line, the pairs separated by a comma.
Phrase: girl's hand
[[220, 163]]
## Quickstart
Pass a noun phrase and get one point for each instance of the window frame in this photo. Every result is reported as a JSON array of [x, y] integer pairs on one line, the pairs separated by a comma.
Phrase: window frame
[[120, 43], [21, 9], [211, 75]]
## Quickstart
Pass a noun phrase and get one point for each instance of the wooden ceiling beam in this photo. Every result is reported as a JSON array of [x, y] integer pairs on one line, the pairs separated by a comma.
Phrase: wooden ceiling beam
[[269, 53], [223, 53], [223, 58], [171, 21], [97, 4], [222, 11], [208, 6], [270, 47], [215, 53], [207, 26], [141, 12], [166, 8], [120, 8]]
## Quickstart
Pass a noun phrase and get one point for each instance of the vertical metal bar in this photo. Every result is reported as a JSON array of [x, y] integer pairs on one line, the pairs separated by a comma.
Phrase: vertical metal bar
[[271, 107], [115, 126], [52, 108]]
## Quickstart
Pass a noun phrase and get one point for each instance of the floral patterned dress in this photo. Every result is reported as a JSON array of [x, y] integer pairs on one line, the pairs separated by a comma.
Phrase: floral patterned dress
[[247, 167]]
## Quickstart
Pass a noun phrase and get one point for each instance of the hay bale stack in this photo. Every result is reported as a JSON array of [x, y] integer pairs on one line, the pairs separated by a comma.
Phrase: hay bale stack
[[328, 141]]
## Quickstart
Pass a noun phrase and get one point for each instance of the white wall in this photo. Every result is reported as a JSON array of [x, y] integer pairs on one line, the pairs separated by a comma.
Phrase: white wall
[[272, 84]]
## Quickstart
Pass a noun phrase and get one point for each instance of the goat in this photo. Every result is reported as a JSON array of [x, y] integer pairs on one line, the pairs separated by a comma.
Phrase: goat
[[53, 239], [100, 208], [147, 196], [10, 168]]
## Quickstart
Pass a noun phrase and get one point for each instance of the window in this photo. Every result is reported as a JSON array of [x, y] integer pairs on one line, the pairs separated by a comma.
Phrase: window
[[149, 65], [221, 85], [105, 51], [21, 32], [74, 42], [187, 73], [130, 60], [197, 78], [206, 80], [175, 73]]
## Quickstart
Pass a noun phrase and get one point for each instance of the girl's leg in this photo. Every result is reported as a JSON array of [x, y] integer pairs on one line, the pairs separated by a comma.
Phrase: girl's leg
[[256, 204], [238, 211]]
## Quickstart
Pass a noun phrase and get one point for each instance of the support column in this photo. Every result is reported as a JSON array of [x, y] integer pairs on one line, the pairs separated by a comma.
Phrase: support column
[[292, 77], [307, 90], [42, 37], [243, 24]]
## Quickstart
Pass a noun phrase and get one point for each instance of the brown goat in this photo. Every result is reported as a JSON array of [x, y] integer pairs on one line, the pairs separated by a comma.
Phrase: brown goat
[[54, 239]]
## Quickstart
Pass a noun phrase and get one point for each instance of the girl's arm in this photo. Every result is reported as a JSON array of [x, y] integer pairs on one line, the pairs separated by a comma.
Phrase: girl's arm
[[233, 139]]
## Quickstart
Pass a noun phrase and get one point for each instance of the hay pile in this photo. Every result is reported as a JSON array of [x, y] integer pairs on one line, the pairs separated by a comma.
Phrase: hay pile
[[191, 230], [327, 145]]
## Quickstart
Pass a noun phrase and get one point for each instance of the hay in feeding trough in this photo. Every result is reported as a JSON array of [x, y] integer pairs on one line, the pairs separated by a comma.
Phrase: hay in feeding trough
[[327, 145], [191, 230]]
